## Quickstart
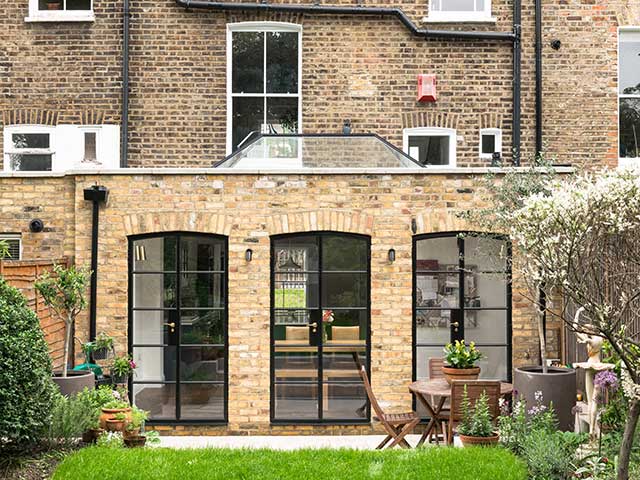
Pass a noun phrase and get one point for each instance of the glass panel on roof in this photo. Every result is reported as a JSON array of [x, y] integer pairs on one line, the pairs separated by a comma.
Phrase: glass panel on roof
[[284, 152]]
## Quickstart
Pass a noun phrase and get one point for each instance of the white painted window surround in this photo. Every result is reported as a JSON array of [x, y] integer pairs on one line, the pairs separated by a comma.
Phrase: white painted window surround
[[629, 95], [14, 242], [459, 11], [39, 14], [416, 144], [496, 133], [67, 146]]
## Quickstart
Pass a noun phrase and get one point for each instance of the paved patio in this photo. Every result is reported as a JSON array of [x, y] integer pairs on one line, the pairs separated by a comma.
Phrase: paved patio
[[293, 442]]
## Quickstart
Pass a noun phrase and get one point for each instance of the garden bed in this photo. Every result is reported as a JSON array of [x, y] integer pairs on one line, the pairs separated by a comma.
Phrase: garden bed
[[162, 463]]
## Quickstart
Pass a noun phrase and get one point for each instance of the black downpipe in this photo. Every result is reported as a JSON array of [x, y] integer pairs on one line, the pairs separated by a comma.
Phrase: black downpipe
[[517, 61], [124, 133], [539, 145], [96, 194]]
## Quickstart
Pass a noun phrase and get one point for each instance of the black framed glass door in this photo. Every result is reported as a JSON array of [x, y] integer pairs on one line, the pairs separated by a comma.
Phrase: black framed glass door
[[320, 334], [178, 326], [462, 290]]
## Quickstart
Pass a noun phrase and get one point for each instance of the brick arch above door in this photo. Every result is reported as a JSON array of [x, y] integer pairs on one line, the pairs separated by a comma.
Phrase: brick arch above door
[[171, 221], [321, 220]]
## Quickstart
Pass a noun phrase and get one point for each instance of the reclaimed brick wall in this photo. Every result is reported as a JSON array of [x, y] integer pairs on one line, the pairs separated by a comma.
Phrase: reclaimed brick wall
[[249, 209]]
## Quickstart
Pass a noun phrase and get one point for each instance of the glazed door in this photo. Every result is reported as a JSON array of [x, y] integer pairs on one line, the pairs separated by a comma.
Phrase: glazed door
[[177, 330], [319, 328], [462, 290]]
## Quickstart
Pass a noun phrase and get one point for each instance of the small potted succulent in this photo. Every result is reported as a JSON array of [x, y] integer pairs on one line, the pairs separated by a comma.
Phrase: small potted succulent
[[476, 426], [102, 346], [460, 361], [121, 368]]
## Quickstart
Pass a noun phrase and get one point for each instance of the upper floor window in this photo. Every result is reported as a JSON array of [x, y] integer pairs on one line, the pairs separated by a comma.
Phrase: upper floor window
[[490, 142], [60, 11], [263, 80], [431, 146], [629, 95], [62, 147], [459, 10], [14, 245]]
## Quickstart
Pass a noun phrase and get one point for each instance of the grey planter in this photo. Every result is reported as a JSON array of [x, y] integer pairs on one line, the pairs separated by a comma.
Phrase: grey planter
[[558, 386], [74, 382]]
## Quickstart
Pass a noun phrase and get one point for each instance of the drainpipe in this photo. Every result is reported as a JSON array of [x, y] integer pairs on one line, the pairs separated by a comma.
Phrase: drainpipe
[[538, 77], [96, 194], [124, 132], [517, 60]]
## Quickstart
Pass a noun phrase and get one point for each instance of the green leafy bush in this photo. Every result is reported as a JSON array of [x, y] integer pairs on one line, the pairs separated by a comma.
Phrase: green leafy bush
[[516, 426], [26, 388], [461, 355], [476, 420], [71, 417], [550, 455], [95, 399]]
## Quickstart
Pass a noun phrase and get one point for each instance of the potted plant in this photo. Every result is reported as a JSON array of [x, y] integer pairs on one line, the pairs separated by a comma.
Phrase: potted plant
[[460, 361], [102, 346], [476, 426], [116, 422], [133, 436], [121, 368], [119, 404], [64, 293]]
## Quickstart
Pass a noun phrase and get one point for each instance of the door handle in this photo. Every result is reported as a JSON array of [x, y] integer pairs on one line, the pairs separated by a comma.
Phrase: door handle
[[172, 326], [455, 324], [314, 327]]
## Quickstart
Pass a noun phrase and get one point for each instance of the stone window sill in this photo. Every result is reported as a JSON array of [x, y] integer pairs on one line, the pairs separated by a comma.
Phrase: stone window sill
[[60, 17]]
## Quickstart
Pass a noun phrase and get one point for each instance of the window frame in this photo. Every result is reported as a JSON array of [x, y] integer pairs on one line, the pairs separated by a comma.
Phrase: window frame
[[9, 149], [460, 16], [63, 15], [432, 132], [623, 161], [13, 236], [259, 27], [497, 133]]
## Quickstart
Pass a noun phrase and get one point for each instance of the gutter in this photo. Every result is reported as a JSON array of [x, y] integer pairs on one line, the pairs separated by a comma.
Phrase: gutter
[[124, 131], [538, 28]]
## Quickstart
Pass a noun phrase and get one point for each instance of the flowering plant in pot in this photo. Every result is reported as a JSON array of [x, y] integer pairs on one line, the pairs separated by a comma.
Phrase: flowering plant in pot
[[460, 361], [121, 368], [102, 346], [476, 426]]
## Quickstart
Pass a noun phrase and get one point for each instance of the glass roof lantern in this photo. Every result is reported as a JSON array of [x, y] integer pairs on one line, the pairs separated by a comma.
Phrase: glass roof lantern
[[308, 151]]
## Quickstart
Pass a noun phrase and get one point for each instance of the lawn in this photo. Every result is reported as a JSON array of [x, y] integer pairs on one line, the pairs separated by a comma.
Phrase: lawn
[[161, 463]]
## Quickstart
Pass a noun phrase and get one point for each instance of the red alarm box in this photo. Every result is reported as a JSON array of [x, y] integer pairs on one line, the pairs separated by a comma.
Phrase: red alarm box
[[426, 87]]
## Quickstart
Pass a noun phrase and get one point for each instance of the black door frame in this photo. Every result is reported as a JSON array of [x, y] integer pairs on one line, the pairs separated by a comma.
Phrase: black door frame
[[319, 420], [225, 317], [459, 235]]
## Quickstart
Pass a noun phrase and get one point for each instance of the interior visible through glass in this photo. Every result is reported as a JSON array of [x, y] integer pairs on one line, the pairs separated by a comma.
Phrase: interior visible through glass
[[430, 149]]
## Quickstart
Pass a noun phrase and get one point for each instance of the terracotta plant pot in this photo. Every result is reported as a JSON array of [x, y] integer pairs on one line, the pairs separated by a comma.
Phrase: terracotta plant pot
[[114, 425], [130, 433], [476, 441], [136, 441], [74, 382], [91, 435], [451, 373], [109, 414]]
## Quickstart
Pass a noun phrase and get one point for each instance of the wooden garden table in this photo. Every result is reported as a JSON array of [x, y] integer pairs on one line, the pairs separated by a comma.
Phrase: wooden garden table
[[439, 390]]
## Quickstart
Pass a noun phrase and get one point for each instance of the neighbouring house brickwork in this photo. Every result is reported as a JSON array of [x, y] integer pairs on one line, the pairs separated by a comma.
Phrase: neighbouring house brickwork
[[249, 209]]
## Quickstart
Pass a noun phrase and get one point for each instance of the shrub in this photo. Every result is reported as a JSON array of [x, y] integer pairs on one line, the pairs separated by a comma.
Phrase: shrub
[[71, 417], [476, 420], [550, 455], [26, 388]]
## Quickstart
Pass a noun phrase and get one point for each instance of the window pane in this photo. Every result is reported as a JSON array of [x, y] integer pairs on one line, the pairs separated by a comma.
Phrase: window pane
[[488, 143], [202, 254], [154, 290], [248, 62], [155, 254], [437, 254], [151, 327], [248, 116], [485, 254], [202, 290], [344, 402], [30, 140], [78, 4], [202, 364], [430, 150], [30, 163], [437, 290], [485, 326], [282, 116], [296, 401], [344, 290], [296, 253], [629, 63], [295, 290], [630, 127], [201, 327], [90, 147], [433, 326], [282, 62], [201, 401], [341, 252], [155, 364], [159, 400], [458, 5]]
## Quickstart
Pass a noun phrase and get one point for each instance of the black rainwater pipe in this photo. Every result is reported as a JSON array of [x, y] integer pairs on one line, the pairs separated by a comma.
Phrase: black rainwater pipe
[[538, 21], [124, 133], [513, 37], [97, 194]]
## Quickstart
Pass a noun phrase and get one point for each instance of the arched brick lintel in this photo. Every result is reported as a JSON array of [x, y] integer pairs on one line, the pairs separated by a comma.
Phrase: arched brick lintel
[[171, 221], [321, 220], [444, 220]]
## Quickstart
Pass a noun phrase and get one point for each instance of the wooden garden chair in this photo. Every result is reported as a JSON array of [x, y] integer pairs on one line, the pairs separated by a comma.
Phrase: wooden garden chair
[[475, 388], [397, 425], [435, 372]]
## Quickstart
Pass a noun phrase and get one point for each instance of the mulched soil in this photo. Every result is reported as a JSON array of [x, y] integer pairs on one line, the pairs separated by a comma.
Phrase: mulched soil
[[38, 464]]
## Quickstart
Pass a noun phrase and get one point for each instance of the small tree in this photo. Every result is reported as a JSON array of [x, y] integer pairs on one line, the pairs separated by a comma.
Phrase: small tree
[[64, 293]]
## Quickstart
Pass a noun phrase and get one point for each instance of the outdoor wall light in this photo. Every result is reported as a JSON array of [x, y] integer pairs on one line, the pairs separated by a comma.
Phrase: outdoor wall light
[[36, 225], [248, 255], [392, 255]]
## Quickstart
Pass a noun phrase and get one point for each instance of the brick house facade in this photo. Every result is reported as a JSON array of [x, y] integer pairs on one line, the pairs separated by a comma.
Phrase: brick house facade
[[360, 68]]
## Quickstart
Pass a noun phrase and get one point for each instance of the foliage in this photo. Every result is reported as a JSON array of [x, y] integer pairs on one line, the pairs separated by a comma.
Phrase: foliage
[[110, 440], [116, 404], [153, 438], [314, 464], [64, 293], [138, 417], [103, 341], [96, 398], [26, 388], [476, 419], [4, 249], [594, 468], [71, 417], [550, 455], [122, 366], [461, 355]]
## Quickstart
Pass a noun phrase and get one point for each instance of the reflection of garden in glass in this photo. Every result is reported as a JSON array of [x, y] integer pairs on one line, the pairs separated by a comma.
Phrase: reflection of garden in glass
[[290, 298]]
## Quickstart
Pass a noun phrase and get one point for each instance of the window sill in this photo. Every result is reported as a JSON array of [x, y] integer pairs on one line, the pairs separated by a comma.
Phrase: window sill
[[60, 17], [456, 19], [628, 161]]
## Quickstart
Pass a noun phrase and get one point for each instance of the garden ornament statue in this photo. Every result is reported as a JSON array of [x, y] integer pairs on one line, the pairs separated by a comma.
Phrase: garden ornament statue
[[591, 367]]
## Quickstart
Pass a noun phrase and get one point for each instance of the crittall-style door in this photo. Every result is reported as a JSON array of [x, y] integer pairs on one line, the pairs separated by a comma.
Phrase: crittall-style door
[[319, 327], [178, 326], [462, 290]]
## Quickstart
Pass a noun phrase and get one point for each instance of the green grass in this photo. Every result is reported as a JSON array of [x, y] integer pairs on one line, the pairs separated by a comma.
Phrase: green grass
[[161, 463]]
